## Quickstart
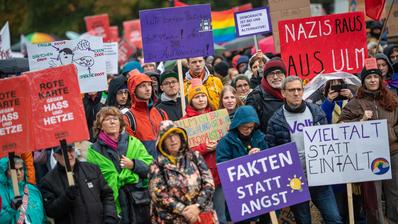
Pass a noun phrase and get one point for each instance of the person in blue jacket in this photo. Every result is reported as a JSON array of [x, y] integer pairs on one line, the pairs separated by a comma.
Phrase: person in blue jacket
[[243, 138], [26, 208]]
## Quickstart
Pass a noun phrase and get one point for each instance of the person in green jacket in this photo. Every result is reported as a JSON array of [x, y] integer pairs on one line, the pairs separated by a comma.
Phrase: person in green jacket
[[26, 208], [124, 162]]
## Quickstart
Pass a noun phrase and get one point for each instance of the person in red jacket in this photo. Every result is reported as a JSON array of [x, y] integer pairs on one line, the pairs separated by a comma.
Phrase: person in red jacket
[[143, 118], [198, 103]]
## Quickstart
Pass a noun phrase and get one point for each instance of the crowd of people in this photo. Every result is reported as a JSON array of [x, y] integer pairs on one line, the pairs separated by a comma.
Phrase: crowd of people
[[139, 167]]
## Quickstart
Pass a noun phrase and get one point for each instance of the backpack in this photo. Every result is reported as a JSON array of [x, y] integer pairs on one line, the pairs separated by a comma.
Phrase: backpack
[[133, 122]]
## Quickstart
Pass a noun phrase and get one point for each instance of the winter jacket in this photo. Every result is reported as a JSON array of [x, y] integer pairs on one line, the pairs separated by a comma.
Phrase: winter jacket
[[171, 107], [147, 117], [173, 187], [114, 85], [108, 160], [94, 203], [265, 105], [354, 111], [91, 108], [278, 128], [213, 86], [34, 212], [333, 108], [210, 157]]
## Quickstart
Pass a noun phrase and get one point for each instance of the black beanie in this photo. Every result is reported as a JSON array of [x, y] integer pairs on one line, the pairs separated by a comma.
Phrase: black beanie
[[366, 72], [221, 68]]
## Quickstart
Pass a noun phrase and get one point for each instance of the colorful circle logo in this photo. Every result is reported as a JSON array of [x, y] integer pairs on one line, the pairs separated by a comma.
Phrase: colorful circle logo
[[380, 166]]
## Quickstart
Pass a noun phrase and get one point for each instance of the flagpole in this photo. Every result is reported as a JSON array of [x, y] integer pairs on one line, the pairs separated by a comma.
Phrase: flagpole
[[385, 23]]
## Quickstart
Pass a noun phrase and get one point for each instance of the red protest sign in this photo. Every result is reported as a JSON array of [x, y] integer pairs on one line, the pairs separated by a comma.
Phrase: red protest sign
[[15, 116], [114, 31], [132, 32], [98, 25], [323, 44], [57, 108]]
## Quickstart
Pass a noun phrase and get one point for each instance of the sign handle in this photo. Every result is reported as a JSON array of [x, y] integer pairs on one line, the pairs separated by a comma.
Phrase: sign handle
[[350, 204], [274, 219], [69, 172], [255, 42], [13, 173], [181, 83], [385, 23]]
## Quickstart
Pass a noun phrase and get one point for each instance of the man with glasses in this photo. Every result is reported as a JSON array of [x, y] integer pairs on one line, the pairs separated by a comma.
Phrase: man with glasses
[[170, 100], [118, 94], [286, 125], [266, 98]]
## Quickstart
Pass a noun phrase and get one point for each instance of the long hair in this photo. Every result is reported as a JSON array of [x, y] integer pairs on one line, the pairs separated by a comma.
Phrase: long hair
[[231, 89], [387, 99]]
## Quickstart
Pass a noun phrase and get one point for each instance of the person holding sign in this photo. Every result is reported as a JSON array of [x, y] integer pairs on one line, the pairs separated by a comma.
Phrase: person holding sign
[[286, 125], [26, 208], [372, 102], [181, 184], [243, 137]]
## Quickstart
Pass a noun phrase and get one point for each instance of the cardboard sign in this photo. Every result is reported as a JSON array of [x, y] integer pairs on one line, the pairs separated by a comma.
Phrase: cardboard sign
[[57, 107], [262, 182], [87, 54], [15, 116], [132, 32], [347, 153], [5, 42], [255, 21], [125, 50], [206, 127], [176, 33], [286, 9], [111, 51], [98, 25], [323, 44], [392, 24]]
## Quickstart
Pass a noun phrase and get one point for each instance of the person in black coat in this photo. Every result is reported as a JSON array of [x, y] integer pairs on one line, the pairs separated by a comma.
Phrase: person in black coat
[[90, 200], [92, 104], [118, 94]]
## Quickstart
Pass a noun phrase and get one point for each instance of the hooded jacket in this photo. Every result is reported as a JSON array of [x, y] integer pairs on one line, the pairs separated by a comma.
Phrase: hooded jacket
[[171, 107], [35, 211], [230, 146], [147, 117], [212, 83], [385, 58], [115, 85]]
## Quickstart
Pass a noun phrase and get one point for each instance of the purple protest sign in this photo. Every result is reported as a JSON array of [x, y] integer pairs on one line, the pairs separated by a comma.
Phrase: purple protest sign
[[262, 182], [176, 33]]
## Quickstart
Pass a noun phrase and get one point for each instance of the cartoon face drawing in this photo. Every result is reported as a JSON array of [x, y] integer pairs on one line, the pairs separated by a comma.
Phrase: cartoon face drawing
[[65, 56]]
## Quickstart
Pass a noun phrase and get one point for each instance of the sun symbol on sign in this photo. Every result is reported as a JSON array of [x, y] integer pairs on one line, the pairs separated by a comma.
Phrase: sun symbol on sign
[[295, 183]]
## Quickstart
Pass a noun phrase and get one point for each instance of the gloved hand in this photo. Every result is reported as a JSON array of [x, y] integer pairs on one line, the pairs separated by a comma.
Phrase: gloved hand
[[72, 192], [16, 202]]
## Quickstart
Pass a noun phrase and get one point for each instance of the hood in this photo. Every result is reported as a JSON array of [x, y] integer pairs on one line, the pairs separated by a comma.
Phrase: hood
[[207, 73], [135, 80], [388, 50], [163, 136], [243, 115], [385, 58], [3, 169], [114, 85]]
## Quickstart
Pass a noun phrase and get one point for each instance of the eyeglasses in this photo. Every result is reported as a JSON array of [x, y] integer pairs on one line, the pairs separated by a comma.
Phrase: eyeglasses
[[277, 73], [293, 90], [170, 83], [246, 128], [123, 92], [242, 85], [112, 118]]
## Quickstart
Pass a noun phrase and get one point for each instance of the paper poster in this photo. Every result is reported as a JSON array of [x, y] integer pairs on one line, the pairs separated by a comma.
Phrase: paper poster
[[251, 22], [5, 42], [132, 32], [87, 54], [98, 25], [111, 51]]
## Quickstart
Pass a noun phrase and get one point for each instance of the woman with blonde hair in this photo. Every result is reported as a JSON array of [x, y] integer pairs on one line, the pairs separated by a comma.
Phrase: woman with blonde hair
[[229, 100]]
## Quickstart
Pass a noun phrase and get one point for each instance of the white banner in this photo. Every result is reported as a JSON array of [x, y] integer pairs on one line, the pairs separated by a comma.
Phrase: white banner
[[5, 42], [111, 51], [252, 22], [87, 55], [347, 153]]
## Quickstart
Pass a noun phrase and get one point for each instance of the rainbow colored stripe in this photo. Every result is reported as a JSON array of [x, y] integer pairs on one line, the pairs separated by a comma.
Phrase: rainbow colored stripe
[[380, 166]]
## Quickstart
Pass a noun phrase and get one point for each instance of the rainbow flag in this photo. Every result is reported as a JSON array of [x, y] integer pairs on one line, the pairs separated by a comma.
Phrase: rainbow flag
[[223, 22]]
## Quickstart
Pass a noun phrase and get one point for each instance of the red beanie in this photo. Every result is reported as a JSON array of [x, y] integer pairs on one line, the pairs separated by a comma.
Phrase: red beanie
[[274, 64]]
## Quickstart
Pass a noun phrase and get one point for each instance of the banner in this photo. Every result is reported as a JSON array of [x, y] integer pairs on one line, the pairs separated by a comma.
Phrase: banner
[[114, 34], [15, 116], [347, 153], [87, 54], [111, 51], [5, 42], [251, 22], [176, 33], [98, 25], [323, 44], [206, 127], [132, 32], [57, 107], [262, 182]]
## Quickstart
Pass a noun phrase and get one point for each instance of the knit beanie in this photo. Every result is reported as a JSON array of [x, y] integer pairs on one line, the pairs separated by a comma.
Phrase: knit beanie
[[131, 65], [221, 68], [242, 59], [370, 68], [167, 74], [274, 64], [196, 88]]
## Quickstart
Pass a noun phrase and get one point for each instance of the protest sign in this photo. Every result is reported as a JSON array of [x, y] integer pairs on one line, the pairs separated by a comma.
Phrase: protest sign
[[98, 25], [15, 115], [392, 21], [5, 42], [262, 182], [176, 33], [286, 9], [255, 21], [132, 32], [323, 44], [206, 127], [347, 152], [111, 51], [114, 34], [57, 108], [87, 54]]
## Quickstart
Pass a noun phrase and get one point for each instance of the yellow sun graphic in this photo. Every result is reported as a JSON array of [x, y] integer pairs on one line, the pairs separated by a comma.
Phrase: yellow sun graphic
[[295, 183]]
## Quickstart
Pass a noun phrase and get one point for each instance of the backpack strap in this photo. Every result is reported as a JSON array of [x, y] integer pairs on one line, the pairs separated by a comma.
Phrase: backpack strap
[[161, 113], [132, 121]]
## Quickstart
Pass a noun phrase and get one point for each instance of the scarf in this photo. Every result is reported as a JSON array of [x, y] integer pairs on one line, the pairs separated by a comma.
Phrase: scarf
[[271, 90], [201, 75], [107, 140], [299, 109]]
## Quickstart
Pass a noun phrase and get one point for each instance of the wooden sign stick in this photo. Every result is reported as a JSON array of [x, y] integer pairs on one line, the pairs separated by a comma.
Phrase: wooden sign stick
[[181, 83], [13, 173], [69, 172], [350, 204], [274, 219]]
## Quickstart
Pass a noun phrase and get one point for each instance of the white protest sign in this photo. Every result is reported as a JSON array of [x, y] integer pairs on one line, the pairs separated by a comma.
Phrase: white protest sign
[[5, 42], [252, 22], [347, 153], [111, 51], [87, 55]]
